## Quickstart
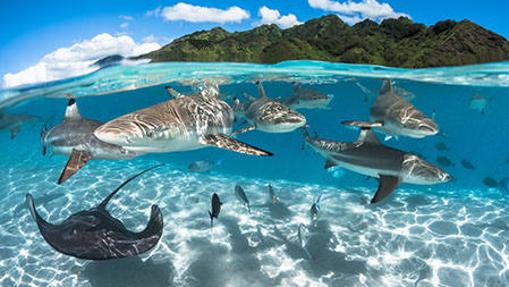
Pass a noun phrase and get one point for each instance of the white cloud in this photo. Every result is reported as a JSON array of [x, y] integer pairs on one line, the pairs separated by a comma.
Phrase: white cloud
[[351, 20], [125, 17], [124, 25], [191, 13], [272, 16], [354, 12], [76, 59]]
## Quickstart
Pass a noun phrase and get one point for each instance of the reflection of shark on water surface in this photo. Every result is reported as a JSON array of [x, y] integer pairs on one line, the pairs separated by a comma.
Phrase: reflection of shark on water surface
[[368, 156]]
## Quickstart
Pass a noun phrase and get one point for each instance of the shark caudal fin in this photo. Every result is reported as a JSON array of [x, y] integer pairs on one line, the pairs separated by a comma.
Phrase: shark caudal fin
[[226, 142], [76, 161], [386, 185]]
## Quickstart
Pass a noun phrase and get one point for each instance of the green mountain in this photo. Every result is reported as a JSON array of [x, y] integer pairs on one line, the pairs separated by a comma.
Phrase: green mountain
[[394, 42]]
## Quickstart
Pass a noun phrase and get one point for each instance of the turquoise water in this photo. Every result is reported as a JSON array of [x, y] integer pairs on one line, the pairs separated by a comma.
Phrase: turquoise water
[[453, 234]]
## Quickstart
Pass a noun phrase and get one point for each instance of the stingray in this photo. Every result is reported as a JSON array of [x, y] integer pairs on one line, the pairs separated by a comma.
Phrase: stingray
[[96, 235]]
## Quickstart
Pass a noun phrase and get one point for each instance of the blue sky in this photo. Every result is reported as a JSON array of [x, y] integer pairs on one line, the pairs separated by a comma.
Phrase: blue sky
[[32, 29]]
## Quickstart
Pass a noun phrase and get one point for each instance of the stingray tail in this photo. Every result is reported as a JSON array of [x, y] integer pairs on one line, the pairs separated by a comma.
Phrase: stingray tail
[[211, 220], [108, 198]]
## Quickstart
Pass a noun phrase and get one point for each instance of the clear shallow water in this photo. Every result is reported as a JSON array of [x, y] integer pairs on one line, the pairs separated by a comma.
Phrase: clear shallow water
[[453, 234]]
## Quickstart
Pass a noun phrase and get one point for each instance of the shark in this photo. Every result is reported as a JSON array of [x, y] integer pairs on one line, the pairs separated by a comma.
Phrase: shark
[[74, 137], [395, 116], [305, 98], [268, 115], [96, 235], [185, 122], [14, 122], [368, 156]]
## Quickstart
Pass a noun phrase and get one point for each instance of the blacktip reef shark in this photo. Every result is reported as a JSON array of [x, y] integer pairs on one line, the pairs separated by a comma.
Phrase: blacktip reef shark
[[395, 116], [369, 157], [305, 98], [269, 115], [14, 122], [74, 137], [96, 235], [180, 124]]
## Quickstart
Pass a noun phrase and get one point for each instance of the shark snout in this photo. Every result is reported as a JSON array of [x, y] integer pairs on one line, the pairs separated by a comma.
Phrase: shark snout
[[428, 128]]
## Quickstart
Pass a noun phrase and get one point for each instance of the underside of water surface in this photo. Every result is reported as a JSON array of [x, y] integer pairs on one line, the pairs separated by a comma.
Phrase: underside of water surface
[[452, 234]]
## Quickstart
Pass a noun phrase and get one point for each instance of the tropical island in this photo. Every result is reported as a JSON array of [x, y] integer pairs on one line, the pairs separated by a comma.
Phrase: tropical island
[[394, 42]]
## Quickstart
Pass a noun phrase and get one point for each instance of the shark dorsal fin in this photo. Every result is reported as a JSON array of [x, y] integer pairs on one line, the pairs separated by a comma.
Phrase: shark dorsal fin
[[173, 93], [103, 204], [367, 135], [386, 87], [261, 91], [72, 112]]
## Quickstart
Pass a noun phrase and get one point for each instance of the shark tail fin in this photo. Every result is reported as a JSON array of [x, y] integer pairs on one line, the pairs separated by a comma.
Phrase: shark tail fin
[[72, 111], [76, 161]]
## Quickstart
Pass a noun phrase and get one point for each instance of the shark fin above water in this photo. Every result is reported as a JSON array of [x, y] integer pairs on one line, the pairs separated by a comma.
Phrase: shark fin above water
[[386, 185], [76, 161], [72, 112], [173, 93], [226, 142]]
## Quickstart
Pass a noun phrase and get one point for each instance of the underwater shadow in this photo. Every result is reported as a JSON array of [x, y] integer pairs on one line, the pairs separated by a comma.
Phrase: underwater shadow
[[218, 266], [130, 272]]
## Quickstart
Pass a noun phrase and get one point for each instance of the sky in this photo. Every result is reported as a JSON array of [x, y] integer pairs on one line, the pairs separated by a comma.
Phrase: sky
[[48, 40]]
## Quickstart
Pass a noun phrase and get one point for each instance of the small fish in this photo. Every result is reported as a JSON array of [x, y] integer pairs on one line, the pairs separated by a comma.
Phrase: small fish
[[441, 146], [273, 196], [444, 161], [242, 197], [202, 165], [467, 164], [216, 208], [490, 182], [315, 208]]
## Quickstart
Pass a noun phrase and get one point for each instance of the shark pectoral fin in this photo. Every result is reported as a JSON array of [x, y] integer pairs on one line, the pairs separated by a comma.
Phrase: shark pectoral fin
[[14, 132], [226, 142], [76, 161], [386, 185], [244, 130], [329, 163], [173, 93]]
